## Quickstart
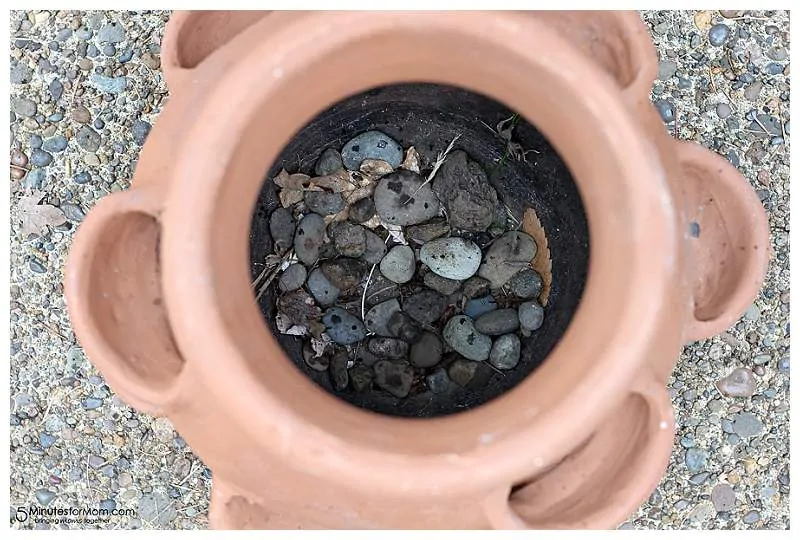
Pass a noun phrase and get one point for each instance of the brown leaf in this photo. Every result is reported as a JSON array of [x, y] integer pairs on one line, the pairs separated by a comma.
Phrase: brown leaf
[[541, 262], [35, 217], [412, 160], [292, 181], [375, 168], [337, 182], [289, 197]]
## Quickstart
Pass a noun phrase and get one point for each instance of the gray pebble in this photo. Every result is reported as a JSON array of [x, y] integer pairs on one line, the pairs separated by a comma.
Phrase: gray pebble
[[338, 371], [35, 141], [531, 316], [476, 307], [44, 496], [425, 307], [393, 348], [394, 377], [23, 107], [462, 371], [34, 179], [64, 34], [441, 284], [374, 249], [371, 145], [666, 110], [427, 352], [666, 69], [108, 505], [349, 239], [323, 291], [95, 461], [329, 162], [46, 440], [37, 267], [362, 210], [112, 85], [401, 199], [20, 73], [783, 364], [695, 459], [741, 382], [506, 256], [40, 158], [308, 238], [111, 33], [377, 318], [751, 517], [753, 90], [398, 264], [292, 278], [361, 378], [699, 478], [402, 326], [505, 352], [380, 289], [55, 144], [88, 139], [281, 228], [140, 130], [723, 498], [109, 50], [525, 284], [420, 234], [718, 34], [324, 203], [773, 68], [343, 328], [746, 424], [73, 212], [761, 359], [461, 335], [344, 273], [92, 403], [126, 56], [453, 258], [498, 322], [156, 508], [438, 382], [462, 186]]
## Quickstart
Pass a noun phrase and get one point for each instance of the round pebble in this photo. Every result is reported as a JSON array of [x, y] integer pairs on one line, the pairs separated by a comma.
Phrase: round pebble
[[281, 228], [746, 424], [324, 203], [741, 382], [393, 348], [525, 284], [505, 352], [695, 459], [427, 352], [377, 318], [329, 162], [398, 264], [343, 272], [461, 335], [531, 316], [362, 210], [342, 327], [323, 291], [506, 256], [292, 278], [308, 238], [718, 34], [374, 247], [349, 239], [477, 307], [425, 307], [452, 258], [371, 145], [394, 377], [438, 382], [401, 199], [498, 322]]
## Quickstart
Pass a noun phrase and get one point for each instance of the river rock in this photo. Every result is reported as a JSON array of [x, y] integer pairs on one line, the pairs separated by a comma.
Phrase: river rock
[[477, 307], [438, 382], [343, 272], [292, 278], [453, 258], [308, 238], [401, 199], [394, 377], [377, 318], [324, 292], [505, 352], [463, 188], [741, 382], [371, 145], [461, 335], [324, 203], [349, 239], [498, 322], [361, 210], [398, 265], [425, 232], [476, 286], [441, 284], [343, 328], [531, 316], [427, 352], [425, 307], [402, 326], [380, 289], [525, 284], [462, 371], [506, 256], [374, 249], [384, 347], [329, 162]]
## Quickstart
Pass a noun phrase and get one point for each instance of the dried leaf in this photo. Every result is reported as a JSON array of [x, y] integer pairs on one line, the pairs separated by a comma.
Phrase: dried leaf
[[541, 262], [292, 181], [320, 344], [360, 193], [412, 160], [341, 216], [375, 168], [337, 182], [35, 217], [290, 197], [373, 222], [396, 232]]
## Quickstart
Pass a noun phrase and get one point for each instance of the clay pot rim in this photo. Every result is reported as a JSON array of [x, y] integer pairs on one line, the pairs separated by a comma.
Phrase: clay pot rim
[[202, 291]]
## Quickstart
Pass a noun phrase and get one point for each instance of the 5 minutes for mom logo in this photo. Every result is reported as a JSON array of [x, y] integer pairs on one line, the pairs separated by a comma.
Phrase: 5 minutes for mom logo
[[79, 515]]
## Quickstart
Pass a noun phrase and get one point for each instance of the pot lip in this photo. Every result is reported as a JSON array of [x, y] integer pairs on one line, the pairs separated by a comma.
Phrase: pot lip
[[195, 307]]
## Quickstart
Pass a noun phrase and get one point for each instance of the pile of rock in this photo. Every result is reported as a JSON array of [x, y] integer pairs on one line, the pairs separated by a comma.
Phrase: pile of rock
[[397, 282]]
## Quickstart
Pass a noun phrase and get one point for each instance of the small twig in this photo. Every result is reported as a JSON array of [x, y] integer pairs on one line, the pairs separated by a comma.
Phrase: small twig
[[439, 162], [733, 104], [675, 127], [274, 273], [17, 167], [366, 285], [780, 117], [75, 89], [762, 126], [711, 79]]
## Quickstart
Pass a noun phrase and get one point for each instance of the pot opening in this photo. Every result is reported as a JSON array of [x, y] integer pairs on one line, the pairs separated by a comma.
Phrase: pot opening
[[500, 185]]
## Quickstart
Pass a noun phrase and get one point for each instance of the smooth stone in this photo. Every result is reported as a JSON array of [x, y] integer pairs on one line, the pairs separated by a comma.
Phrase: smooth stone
[[462, 186], [394, 377], [531, 316], [324, 203], [453, 258], [462, 371], [666, 69], [140, 130], [329, 162], [349, 239], [477, 307], [377, 318], [695, 459], [111, 33], [425, 232], [746, 424], [505, 352], [46, 440], [343, 272], [323, 291], [723, 110], [741, 382], [427, 352], [401, 199], [461, 335], [666, 110], [55, 144], [40, 158], [506, 256], [723, 498], [498, 322], [371, 145], [308, 238], [292, 278], [112, 85], [751, 517], [442, 285], [73, 212], [476, 286], [380, 289], [343, 328], [44, 496], [361, 377], [718, 34], [393, 348], [92, 403], [398, 264], [362, 210], [88, 139], [525, 284], [438, 382], [425, 307], [402, 326], [24, 107], [340, 379], [374, 249], [281, 228]]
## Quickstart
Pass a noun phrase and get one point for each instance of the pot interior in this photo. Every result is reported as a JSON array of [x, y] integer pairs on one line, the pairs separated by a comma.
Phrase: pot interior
[[429, 116]]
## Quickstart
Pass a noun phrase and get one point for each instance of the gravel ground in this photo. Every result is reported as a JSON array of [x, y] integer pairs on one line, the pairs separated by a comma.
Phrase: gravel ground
[[87, 85]]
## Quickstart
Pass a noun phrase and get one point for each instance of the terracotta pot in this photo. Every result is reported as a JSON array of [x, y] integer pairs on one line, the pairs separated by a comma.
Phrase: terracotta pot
[[158, 280]]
